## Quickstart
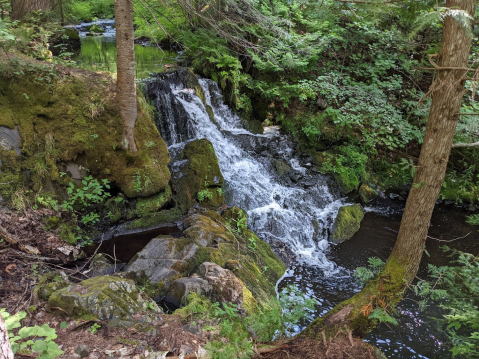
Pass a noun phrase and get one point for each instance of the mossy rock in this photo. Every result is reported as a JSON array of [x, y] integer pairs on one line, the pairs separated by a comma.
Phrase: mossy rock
[[320, 158], [154, 203], [208, 238], [104, 298], [347, 223], [366, 193], [281, 167], [76, 119], [200, 177]]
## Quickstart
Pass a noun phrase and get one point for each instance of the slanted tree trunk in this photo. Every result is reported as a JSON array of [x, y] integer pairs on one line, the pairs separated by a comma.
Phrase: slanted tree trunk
[[5, 349], [126, 86], [402, 265], [21, 7]]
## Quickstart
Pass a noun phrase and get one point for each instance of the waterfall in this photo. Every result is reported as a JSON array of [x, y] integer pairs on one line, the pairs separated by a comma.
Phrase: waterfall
[[295, 211]]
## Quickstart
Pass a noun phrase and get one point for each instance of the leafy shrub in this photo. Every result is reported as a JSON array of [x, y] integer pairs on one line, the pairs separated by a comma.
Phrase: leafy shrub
[[44, 337], [236, 336], [455, 289]]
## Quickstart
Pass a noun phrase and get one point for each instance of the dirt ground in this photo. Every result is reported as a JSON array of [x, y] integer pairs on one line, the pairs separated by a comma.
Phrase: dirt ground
[[28, 251]]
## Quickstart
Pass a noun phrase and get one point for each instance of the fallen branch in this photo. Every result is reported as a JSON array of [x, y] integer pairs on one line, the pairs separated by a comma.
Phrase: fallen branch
[[450, 240], [458, 145]]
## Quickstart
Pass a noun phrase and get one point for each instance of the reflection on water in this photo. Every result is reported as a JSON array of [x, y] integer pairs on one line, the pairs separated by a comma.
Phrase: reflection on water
[[417, 335], [98, 53]]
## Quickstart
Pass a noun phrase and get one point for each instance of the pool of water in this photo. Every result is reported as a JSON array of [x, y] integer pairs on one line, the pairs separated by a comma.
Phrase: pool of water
[[98, 53], [416, 335]]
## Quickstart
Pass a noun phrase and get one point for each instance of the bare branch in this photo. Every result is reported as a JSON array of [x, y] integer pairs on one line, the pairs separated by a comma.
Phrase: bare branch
[[368, 2], [457, 145]]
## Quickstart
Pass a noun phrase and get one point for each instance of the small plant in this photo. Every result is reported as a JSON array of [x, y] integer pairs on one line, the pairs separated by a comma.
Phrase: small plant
[[252, 243], [149, 144], [204, 194], [94, 328], [137, 182], [364, 274], [44, 337], [219, 190]]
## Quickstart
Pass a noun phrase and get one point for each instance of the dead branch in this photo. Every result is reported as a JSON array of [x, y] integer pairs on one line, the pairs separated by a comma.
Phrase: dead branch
[[457, 145]]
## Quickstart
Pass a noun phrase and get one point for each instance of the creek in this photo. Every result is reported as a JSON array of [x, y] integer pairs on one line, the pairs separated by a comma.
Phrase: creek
[[294, 211], [98, 53]]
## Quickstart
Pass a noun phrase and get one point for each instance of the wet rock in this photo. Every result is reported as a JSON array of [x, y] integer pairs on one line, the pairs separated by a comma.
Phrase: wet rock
[[281, 167], [199, 174], [347, 223], [82, 350], [181, 288], [366, 193], [106, 298]]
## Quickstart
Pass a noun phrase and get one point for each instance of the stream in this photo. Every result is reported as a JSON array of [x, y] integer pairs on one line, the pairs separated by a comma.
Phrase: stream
[[293, 211], [98, 53]]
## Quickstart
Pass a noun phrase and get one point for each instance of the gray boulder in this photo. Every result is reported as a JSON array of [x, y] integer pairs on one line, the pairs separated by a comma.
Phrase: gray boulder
[[181, 288], [105, 298]]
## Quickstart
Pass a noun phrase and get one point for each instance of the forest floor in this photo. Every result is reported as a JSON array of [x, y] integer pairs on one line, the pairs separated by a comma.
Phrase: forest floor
[[36, 252]]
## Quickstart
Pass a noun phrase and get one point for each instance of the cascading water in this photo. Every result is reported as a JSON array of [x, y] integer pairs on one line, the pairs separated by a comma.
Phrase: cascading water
[[297, 214]]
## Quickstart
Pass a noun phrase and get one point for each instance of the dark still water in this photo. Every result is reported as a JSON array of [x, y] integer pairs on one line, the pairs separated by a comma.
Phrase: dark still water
[[416, 336]]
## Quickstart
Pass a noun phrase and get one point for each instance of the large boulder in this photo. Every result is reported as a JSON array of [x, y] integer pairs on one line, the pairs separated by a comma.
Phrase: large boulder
[[163, 257], [198, 176], [104, 298], [347, 223], [209, 237], [226, 287], [182, 287]]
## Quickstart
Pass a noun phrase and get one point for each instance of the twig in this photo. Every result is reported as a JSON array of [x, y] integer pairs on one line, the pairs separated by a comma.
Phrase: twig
[[450, 240], [89, 260], [81, 325], [63, 310]]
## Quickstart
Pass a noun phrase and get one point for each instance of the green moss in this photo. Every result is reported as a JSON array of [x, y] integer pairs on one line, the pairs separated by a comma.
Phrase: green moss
[[152, 204], [150, 220], [67, 233], [76, 119], [347, 223], [201, 172], [366, 193]]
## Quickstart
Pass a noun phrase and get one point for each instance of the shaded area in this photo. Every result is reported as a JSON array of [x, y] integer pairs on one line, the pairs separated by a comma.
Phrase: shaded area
[[416, 336]]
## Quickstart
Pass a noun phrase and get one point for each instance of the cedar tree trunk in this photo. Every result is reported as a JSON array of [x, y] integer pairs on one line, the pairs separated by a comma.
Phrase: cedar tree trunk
[[126, 86], [401, 267], [5, 349], [21, 7]]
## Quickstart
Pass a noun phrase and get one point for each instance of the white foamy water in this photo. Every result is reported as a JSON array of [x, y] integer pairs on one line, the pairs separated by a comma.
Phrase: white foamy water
[[296, 215]]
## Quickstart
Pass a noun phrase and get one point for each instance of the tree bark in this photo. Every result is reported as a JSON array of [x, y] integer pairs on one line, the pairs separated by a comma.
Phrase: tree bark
[[448, 90], [22, 7], [126, 86], [5, 349], [403, 263]]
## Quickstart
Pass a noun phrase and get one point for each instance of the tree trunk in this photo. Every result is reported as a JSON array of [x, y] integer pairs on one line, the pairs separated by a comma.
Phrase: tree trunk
[[5, 349], [21, 7], [126, 85], [403, 263]]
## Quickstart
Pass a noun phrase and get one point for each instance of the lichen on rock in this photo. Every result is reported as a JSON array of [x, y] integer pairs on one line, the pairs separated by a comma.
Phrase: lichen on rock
[[104, 298]]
